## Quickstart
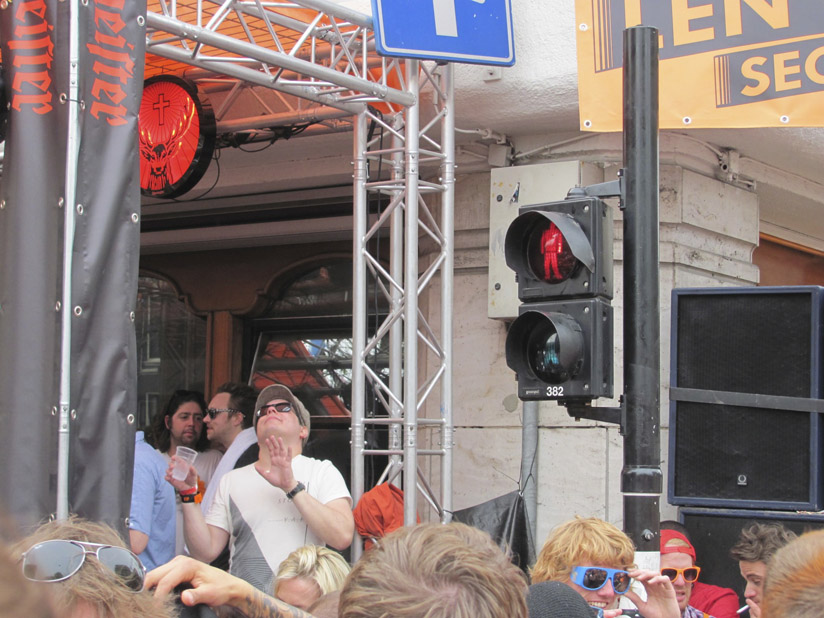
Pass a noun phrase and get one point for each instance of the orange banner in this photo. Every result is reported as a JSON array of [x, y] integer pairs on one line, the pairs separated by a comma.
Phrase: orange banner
[[723, 63]]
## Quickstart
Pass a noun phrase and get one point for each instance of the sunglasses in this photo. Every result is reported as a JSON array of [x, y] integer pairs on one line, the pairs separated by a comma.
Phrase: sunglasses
[[594, 578], [282, 407], [690, 574], [56, 561], [213, 412]]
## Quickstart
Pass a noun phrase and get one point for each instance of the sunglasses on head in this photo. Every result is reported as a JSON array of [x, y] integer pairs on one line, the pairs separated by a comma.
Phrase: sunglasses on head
[[690, 574], [594, 578], [213, 412], [283, 407], [56, 561]]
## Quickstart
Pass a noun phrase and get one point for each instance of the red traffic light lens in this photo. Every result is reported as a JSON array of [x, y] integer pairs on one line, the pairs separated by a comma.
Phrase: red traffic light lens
[[549, 255]]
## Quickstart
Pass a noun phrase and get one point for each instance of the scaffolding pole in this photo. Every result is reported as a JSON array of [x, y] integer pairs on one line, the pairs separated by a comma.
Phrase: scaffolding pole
[[420, 349]]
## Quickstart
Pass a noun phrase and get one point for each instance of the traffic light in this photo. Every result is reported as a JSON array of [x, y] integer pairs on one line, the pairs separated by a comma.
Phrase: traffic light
[[560, 345]]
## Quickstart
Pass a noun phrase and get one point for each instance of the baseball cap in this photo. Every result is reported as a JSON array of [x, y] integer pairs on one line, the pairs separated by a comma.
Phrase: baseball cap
[[278, 391]]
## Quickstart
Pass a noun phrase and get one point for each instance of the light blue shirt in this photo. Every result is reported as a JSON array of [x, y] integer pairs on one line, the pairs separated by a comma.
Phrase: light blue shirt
[[153, 504]]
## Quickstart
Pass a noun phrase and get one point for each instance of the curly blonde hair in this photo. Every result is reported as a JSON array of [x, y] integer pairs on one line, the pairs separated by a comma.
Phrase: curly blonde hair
[[582, 542], [94, 584]]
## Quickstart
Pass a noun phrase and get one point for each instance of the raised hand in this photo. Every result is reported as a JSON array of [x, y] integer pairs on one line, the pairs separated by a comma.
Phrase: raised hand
[[190, 480], [661, 601], [279, 469]]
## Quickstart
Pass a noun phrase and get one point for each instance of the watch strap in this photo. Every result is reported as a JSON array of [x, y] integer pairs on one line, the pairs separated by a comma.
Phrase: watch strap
[[297, 489]]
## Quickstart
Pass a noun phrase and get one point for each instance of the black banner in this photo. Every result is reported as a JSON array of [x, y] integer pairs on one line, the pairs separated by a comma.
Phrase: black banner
[[35, 71], [105, 257]]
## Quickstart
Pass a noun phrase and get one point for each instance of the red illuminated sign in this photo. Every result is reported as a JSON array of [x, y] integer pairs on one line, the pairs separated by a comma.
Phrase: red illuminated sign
[[177, 136]]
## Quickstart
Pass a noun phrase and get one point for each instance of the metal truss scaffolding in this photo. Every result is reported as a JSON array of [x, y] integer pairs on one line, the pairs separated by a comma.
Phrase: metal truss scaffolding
[[318, 59], [420, 353]]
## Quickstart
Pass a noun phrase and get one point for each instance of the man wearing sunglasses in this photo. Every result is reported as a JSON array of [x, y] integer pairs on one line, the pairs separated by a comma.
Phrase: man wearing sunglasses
[[270, 508], [716, 601], [228, 421], [678, 565], [595, 559]]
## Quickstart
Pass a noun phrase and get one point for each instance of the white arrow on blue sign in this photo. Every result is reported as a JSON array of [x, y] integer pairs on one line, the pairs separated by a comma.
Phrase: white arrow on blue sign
[[474, 31]]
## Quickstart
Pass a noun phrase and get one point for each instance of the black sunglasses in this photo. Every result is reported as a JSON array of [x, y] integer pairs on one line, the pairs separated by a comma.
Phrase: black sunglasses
[[213, 412], [58, 560], [282, 407]]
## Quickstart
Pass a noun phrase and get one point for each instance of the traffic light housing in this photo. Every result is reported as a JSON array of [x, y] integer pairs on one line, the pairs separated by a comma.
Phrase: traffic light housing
[[560, 345]]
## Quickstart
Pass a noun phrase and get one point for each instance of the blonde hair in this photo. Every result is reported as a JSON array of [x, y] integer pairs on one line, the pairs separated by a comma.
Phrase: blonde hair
[[324, 566], [795, 573], [94, 584], [437, 571], [582, 542]]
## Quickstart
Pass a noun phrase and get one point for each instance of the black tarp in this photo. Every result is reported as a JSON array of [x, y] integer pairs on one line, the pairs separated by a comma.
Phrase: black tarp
[[105, 257], [506, 521]]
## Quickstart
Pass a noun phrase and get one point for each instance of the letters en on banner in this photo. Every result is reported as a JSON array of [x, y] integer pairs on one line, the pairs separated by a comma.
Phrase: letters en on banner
[[722, 63]]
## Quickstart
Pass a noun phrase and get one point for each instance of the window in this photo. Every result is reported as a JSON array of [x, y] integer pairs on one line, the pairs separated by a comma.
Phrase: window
[[171, 346], [306, 344]]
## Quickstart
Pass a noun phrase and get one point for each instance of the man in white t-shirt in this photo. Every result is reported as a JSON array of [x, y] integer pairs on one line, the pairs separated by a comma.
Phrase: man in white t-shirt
[[272, 507]]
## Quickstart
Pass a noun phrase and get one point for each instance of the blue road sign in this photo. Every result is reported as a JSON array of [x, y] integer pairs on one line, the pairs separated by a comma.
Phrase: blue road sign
[[474, 31]]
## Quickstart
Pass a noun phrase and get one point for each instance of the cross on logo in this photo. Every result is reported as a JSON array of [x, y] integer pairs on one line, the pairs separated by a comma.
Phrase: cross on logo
[[160, 107]]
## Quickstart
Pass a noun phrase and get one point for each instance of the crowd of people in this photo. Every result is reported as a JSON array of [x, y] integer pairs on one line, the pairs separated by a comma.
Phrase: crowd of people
[[282, 518]]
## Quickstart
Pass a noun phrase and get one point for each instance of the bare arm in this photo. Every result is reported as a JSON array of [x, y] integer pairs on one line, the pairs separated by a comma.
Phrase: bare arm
[[205, 542], [138, 541], [213, 587], [332, 522]]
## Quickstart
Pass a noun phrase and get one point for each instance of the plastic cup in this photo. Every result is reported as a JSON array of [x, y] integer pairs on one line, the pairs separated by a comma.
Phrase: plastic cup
[[184, 458]]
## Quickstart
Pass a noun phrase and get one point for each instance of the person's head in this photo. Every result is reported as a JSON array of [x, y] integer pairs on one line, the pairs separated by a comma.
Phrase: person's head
[[181, 423], [434, 570], [279, 412], [586, 542], [794, 579], [326, 606], [94, 590], [230, 411], [678, 564], [556, 600], [19, 596], [756, 545], [308, 573]]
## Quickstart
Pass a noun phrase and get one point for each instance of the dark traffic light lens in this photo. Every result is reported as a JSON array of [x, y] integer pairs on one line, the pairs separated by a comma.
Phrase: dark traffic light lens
[[544, 354], [550, 257]]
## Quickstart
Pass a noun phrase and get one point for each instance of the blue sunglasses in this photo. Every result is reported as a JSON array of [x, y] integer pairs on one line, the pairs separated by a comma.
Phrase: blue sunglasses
[[594, 578]]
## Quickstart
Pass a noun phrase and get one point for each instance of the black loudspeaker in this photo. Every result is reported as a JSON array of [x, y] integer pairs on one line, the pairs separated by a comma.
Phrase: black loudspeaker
[[714, 531], [746, 378]]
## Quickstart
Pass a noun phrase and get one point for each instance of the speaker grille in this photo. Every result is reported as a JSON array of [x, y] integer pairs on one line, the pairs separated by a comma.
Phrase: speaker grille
[[758, 341], [745, 343], [717, 444], [714, 533]]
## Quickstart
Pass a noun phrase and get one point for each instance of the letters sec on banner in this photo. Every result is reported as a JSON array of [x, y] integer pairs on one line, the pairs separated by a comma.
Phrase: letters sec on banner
[[769, 72]]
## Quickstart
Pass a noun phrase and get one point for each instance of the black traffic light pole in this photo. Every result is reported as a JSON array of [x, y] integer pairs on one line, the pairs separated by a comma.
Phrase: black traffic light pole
[[560, 345], [641, 480]]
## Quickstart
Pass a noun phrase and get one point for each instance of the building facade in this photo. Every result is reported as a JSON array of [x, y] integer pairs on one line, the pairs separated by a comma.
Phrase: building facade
[[258, 252]]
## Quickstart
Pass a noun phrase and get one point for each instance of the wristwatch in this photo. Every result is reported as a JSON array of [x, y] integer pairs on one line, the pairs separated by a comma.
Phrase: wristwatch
[[298, 488]]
